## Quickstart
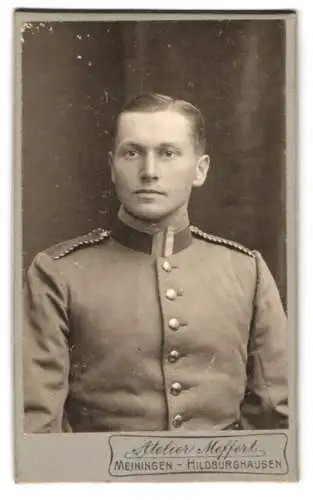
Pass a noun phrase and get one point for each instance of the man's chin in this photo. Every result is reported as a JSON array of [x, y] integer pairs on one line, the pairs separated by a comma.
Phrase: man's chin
[[152, 217], [148, 214]]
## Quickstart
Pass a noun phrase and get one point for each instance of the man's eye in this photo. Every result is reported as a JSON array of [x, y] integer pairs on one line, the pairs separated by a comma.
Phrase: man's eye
[[130, 154], [168, 154]]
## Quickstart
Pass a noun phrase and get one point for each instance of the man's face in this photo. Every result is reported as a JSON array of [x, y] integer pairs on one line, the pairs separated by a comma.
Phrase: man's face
[[155, 163]]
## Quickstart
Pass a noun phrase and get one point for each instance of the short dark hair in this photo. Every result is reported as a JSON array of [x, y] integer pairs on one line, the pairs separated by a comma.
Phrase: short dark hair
[[150, 102]]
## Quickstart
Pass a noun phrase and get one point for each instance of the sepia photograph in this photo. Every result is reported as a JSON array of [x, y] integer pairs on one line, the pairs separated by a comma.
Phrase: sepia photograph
[[154, 246]]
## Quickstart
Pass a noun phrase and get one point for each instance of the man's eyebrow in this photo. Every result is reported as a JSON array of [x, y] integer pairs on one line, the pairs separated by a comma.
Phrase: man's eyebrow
[[168, 145], [130, 143], [136, 145]]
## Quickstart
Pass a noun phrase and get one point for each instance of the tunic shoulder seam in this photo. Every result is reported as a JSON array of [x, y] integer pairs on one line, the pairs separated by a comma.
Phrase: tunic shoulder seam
[[65, 248], [217, 240]]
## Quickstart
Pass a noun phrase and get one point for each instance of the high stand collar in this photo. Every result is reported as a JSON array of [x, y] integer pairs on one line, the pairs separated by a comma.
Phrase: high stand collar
[[163, 243]]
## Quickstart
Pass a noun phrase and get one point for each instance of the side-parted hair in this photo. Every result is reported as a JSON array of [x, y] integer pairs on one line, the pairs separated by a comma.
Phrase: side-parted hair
[[150, 103]]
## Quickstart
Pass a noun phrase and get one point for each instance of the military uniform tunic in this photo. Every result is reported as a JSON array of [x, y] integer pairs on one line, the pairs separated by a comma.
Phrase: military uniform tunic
[[118, 338]]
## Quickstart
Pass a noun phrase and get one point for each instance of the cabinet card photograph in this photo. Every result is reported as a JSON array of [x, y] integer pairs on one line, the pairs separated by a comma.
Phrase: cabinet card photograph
[[155, 278]]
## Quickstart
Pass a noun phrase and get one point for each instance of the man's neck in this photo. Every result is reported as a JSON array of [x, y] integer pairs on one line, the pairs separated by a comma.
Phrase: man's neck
[[176, 221]]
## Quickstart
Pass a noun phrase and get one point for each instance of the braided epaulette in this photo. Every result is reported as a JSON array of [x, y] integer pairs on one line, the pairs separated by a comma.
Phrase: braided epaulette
[[220, 241], [94, 237]]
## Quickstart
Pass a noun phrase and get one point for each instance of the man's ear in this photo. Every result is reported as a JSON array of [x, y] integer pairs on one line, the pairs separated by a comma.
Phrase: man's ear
[[111, 165], [202, 169]]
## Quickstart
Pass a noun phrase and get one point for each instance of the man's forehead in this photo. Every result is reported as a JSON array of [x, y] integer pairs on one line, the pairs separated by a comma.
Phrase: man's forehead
[[161, 125]]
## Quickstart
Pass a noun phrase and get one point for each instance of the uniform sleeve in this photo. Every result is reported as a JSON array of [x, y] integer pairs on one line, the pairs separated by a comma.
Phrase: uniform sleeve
[[45, 347], [265, 402]]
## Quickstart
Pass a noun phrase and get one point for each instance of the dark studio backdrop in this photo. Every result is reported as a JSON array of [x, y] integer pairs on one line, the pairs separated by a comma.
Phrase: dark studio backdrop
[[76, 75]]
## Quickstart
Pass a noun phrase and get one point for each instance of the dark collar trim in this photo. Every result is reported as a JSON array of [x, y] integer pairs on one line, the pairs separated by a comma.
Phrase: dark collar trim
[[143, 242]]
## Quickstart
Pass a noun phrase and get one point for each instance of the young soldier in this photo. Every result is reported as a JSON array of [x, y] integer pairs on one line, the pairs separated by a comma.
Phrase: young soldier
[[153, 325]]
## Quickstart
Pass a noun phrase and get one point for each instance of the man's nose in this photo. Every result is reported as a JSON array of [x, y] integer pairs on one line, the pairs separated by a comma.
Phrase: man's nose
[[149, 170]]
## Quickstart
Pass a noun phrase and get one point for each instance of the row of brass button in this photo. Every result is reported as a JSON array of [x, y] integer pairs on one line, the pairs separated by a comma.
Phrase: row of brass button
[[173, 356]]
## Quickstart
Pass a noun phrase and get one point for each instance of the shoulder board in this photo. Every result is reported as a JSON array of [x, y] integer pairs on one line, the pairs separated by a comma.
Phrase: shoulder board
[[66, 247], [220, 241]]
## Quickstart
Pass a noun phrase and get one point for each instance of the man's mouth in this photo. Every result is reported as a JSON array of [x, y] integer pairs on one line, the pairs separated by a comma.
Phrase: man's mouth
[[149, 191]]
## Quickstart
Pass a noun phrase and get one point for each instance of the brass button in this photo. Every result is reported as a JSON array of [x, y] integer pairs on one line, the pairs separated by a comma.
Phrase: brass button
[[177, 420], [171, 294], [173, 356], [176, 388], [166, 266], [173, 324]]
